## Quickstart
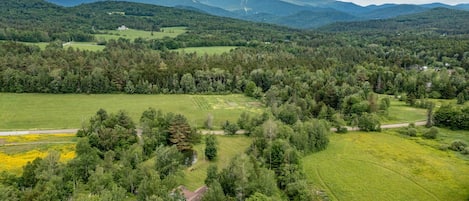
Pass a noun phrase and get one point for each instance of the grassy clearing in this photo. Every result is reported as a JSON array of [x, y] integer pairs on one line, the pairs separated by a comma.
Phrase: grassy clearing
[[228, 147], [132, 34], [90, 46], [379, 166], [16, 151], [54, 111], [41, 45], [207, 50], [400, 112]]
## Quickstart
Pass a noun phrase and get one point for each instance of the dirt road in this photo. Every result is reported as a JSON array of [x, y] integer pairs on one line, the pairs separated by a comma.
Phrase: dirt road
[[204, 132]]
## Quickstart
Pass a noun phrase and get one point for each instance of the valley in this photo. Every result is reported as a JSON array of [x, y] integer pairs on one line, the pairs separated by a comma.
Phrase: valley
[[230, 100]]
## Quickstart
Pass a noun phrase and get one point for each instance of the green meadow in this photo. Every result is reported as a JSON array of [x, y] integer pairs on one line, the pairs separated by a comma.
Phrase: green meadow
[[400, 112], [90, 46], [54, 111], [132, 34], [380, 166], [207, 50], [228, 147]]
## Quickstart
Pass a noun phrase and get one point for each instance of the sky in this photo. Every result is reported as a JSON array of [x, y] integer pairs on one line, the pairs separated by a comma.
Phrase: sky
[[379, 2]]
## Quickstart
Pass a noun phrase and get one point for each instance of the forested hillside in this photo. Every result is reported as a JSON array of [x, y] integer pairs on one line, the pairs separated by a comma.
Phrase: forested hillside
[[440, 20], [290, 13], [37, 21]]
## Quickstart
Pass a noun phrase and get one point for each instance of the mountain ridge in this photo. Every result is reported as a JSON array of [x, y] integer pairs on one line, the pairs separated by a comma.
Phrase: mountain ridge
[[293, 13]]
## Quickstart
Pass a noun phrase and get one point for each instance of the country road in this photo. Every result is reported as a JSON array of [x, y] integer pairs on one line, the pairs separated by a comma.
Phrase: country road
[[204, 132]]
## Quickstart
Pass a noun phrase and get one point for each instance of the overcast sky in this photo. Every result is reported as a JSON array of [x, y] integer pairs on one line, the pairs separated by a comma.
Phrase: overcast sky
[[379, 2]]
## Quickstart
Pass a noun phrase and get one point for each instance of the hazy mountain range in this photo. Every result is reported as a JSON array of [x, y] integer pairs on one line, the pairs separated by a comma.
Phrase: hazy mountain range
[[293, 13]]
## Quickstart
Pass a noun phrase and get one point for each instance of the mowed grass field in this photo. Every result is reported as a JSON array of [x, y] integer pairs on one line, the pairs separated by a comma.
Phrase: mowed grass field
[[16, 151], [132, 34], [201, 51], [90, 46], [380, 166], [400, 112], [54, 111], [228, 147]]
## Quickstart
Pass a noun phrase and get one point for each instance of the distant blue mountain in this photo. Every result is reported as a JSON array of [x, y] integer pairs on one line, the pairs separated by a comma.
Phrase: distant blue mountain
[[294, 13], [462, 6], [390, 11]]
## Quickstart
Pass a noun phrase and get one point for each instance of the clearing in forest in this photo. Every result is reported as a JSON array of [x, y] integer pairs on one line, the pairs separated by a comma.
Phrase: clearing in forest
[[133, 34]]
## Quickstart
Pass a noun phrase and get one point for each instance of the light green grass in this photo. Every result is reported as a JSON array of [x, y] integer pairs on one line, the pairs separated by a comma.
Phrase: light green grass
[[207, 50], [53, 111], [132, 34], [444, 139], [90, 46], [400, 112], [379, 166], [228, 147]]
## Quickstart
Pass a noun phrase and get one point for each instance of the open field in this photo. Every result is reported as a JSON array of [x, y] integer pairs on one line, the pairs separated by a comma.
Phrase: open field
[[132, 34], [53, 111], [379, 166], [207, 50], [16, 151], [228, 147], [90, 46], [400, 112], [444, 139]]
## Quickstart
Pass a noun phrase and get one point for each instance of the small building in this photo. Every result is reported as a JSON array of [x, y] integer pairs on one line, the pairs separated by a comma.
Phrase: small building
[[122, 28]]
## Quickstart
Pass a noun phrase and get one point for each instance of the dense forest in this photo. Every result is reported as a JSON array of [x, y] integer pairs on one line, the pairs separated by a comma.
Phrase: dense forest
[[310, 81]]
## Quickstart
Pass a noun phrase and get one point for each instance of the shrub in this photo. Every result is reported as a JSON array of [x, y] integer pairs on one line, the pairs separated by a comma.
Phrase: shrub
[[432, 133], [230, 128], [210, 147], [208, 124], [412, 132], [458, 145], [443, 147], [342, 129], [465, 151], [369, 122]]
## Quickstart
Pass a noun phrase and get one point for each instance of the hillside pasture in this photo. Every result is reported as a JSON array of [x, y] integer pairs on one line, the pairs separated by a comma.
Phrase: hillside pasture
[[380, 166], [55, 111], [133, 34], [90, 46]]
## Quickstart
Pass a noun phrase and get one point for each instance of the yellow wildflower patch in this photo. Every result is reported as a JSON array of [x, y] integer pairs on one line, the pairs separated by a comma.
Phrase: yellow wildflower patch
[[14, 162]]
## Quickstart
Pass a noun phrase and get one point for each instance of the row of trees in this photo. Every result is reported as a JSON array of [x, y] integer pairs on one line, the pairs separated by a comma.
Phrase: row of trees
[[270, 168]]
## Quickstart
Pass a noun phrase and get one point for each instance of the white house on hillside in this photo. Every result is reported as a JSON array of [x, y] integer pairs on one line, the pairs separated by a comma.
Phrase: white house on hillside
[[122, 28]]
